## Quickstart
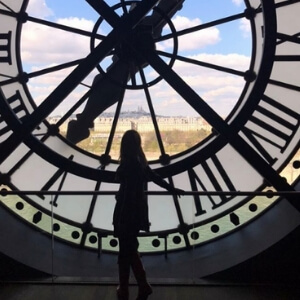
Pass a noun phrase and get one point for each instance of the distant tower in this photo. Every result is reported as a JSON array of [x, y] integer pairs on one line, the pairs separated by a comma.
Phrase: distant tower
[[140, 109], [134, 125]]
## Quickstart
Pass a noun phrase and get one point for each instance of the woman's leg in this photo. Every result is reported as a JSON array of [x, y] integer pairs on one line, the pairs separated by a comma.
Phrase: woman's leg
[[139, 273], [128, 246], [124, 262], [124, 272]]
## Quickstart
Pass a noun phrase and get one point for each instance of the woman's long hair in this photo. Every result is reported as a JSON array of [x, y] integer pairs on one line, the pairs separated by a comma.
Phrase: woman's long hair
[[131, 148]]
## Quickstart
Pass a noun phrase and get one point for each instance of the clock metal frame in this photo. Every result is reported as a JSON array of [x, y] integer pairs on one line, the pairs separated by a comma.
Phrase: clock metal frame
[[25, 133]]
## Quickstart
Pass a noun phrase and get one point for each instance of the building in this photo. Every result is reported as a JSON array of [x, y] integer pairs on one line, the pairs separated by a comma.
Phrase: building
[[141, 121]]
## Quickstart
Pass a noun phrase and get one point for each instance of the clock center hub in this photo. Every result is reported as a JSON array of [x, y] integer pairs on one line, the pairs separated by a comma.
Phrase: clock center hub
[[141, 38]]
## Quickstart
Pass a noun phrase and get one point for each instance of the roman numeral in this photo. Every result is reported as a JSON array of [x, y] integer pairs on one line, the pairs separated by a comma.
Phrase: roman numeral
[[287, 58], [18, 107], [285, 38], [282, 38], [5, 46], [3, 129], [215, 179], [271, 127], [285, 85]]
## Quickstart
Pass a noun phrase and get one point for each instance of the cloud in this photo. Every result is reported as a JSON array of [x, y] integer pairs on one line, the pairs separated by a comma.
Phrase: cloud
[[39, 9], [193, 41], [226, 95], [245, 27], [76, 22], [232, 60], [237, 2], [219, 89], [44, 46]]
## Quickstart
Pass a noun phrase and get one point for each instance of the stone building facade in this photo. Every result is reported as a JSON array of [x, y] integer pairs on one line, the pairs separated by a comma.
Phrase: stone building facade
[[142, 122]]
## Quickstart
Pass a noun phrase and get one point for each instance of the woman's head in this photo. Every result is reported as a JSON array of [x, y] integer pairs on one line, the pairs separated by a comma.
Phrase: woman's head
[[131, 146]]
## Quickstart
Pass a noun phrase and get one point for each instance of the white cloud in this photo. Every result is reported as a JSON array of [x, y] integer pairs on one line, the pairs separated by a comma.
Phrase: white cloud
[[245, 27], [192, 41], [233, 61], [220, 90], [44, 46], [39, 8], [237, 2], [75, 22]]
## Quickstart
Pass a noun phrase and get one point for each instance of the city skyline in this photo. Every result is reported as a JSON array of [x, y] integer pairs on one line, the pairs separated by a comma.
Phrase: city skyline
[[141, 121]]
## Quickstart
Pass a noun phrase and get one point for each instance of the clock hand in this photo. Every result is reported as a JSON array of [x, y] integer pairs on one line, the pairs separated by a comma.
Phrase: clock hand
[[29, 123], [106, 12], [157, 20], [106, 92]]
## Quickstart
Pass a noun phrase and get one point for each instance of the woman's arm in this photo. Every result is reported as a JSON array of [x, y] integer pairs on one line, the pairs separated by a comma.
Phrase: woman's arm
[[153, 176]]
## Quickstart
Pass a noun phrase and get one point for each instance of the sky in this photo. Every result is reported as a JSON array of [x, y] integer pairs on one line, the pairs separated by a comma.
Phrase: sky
[[227, 45]]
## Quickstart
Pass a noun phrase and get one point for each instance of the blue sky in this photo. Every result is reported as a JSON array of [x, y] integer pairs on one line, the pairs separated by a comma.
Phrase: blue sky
[[210, 10], [227, 45]]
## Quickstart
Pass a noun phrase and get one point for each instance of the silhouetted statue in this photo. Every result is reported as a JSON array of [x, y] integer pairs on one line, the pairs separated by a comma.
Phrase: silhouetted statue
[[109, 89], [131, 211]]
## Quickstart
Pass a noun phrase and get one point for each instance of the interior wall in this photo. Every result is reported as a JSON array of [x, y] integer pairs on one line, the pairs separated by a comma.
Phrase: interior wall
[[280, 264]]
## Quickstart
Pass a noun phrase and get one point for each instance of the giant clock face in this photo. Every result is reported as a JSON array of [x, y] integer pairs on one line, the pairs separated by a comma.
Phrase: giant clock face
[[142, 52]]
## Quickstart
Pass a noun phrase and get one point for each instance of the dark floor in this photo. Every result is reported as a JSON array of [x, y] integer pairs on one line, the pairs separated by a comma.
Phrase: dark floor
[[93, 291], [272, 275]]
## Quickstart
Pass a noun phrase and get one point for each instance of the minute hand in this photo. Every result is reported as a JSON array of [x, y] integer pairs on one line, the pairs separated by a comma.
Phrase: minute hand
[[157, 19]]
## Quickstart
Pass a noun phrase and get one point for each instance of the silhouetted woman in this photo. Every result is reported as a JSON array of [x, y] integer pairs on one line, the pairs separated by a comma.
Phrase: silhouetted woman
[[131, 211]]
